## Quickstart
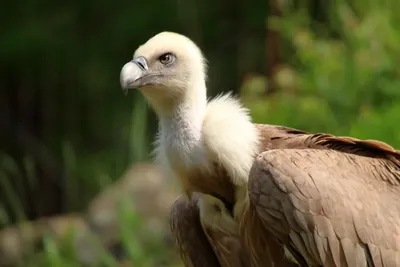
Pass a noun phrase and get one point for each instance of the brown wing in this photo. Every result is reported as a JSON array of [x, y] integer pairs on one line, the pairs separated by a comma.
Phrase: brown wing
[[335, 208], [202, 244], [187, 230], [262, 247], [222, 230], [227, 247]]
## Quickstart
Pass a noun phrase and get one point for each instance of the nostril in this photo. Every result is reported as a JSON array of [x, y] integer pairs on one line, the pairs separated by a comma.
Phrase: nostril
[[141, 65], [141, 62]]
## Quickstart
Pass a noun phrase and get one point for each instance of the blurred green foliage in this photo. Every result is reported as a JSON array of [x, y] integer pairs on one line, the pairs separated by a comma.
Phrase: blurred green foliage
[[68, 122], [345, 83], [61, 101]]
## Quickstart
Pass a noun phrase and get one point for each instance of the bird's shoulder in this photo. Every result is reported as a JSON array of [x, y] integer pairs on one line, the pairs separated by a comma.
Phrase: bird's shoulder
[[230, 137], [275, 137]]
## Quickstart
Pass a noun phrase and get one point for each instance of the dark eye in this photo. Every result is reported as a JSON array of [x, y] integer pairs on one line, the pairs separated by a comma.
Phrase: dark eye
[[166, 58]]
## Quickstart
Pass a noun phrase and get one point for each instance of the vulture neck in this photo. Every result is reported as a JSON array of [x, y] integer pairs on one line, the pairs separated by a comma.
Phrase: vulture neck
[[181, 127]]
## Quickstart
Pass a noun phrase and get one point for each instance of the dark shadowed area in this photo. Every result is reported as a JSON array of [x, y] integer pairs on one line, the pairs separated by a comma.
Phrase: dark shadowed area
[[77, 187]]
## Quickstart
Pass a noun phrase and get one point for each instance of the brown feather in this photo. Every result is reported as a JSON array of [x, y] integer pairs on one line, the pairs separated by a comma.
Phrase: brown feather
[[215, 183], [359, 212], [272, 253], [280, 137], [201, 245], [193, 244], [227, 247]]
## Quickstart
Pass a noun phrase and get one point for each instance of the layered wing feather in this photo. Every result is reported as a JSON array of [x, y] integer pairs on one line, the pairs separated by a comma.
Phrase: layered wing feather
[[337, 206], [206, 239], [189, 235]]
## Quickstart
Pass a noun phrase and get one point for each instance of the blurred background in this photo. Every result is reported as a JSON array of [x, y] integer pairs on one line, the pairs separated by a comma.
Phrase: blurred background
[[77, 187]]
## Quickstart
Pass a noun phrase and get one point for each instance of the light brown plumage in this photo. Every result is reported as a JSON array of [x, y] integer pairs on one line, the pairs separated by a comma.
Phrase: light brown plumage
[[302, 176], [195, 236], [335, 200], [193, 244]]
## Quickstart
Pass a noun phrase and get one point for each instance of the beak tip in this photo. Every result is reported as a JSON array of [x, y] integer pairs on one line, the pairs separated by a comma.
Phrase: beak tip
[[124, 86]]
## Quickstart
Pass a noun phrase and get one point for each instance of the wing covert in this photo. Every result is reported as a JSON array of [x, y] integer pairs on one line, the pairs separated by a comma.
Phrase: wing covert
[[336, 209]]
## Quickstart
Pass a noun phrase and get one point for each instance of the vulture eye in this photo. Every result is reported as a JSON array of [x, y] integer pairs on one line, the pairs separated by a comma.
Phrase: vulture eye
[[166, 58]]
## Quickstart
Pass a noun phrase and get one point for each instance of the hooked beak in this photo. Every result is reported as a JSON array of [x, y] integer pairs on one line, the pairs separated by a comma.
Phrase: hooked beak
[[132, 72]]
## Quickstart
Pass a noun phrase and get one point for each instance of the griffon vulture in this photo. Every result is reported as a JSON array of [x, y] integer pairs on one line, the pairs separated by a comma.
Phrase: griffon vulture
[[262, 195]]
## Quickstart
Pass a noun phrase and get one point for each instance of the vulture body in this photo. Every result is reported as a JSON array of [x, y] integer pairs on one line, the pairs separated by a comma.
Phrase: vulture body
[[262, 195]]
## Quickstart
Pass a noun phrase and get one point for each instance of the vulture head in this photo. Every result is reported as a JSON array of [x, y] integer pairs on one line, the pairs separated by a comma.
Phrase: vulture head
[[169, 69]]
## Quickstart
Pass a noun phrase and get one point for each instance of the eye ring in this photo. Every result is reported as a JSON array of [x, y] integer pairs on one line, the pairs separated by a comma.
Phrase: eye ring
[[166, 58]]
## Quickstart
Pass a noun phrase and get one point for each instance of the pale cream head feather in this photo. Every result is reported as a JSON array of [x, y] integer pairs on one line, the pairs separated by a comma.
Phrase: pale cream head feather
[[170, 71]]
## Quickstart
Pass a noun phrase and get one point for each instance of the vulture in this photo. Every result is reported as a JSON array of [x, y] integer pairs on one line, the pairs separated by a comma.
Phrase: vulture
[[257, 194]]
